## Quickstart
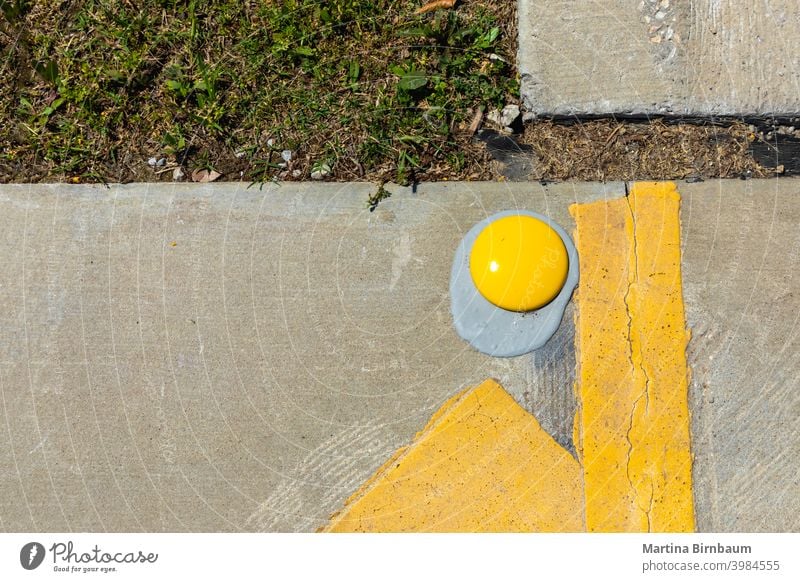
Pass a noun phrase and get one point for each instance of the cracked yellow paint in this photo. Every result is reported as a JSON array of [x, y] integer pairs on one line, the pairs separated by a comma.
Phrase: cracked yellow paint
[[481, 464], [632, 428]]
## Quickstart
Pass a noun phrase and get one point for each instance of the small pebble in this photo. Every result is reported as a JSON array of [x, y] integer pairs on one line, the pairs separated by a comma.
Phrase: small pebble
[[494, 117], [509, 115], [296, 173], [286, 155], [320, 172], [270, 142], [177, 174], [152, 162]]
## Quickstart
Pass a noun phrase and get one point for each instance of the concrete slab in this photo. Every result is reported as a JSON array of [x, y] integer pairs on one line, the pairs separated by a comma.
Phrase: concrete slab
[[217, 358], [644, 57], [741, 261]]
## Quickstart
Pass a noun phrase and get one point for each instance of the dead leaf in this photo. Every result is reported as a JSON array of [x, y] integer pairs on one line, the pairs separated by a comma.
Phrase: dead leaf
[[205, 176]]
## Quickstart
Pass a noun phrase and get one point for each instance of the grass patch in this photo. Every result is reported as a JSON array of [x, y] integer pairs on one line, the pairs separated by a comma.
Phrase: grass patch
[[366, 90]]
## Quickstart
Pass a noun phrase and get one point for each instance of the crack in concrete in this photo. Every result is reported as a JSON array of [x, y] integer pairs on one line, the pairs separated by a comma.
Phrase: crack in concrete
[[648, 511], [630, 445], [635, 404], [632, 279], [636, 359]]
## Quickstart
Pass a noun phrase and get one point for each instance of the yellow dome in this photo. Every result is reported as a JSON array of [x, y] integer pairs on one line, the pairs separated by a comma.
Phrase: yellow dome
[[519, 263]]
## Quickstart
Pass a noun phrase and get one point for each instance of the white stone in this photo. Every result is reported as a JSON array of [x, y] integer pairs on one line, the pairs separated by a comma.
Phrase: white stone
[[495, 117], [321, 171], [509, 115]]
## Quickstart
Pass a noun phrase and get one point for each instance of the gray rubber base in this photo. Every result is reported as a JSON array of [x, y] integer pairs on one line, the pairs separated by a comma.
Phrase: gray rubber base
[[496, 331]]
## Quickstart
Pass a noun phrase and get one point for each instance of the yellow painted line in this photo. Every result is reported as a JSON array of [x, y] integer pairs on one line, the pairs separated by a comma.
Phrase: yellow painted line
[[632, 430], [481, 464]]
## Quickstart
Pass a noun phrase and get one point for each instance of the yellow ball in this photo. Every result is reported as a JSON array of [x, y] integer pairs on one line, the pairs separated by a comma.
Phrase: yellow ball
[[519, 263]]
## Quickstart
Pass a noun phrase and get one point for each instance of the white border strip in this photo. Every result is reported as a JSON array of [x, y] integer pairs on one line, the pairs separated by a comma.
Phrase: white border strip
[[355, 557]]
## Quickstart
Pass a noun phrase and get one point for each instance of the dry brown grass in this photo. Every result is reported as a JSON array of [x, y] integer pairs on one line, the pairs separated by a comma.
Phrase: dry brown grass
[[615, 150]]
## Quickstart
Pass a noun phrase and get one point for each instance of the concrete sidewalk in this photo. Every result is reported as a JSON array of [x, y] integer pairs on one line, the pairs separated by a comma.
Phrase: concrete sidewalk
[[646, 57], [217, 358]]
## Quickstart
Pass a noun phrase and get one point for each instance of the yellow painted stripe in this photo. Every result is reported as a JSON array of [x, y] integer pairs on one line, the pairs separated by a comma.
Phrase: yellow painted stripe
[[632, 430], [481, 464]]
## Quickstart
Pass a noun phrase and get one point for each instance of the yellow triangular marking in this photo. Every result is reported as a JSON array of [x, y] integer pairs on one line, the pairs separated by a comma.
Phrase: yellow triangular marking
[[481, 464]]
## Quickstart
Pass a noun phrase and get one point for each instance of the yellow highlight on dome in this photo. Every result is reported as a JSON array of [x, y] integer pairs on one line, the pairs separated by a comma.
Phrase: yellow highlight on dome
[[519, 263]]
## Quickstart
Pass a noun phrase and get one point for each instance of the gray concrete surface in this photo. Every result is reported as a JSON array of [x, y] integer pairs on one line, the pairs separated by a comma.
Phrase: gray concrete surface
[[217, 358], [741, 261], [701, 57]]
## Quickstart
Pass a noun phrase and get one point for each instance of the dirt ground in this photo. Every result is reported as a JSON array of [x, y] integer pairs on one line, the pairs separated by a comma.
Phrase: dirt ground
[[62, 121]]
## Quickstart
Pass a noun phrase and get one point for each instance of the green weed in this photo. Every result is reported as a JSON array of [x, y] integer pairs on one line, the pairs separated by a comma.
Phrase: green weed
[[364, 86]]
